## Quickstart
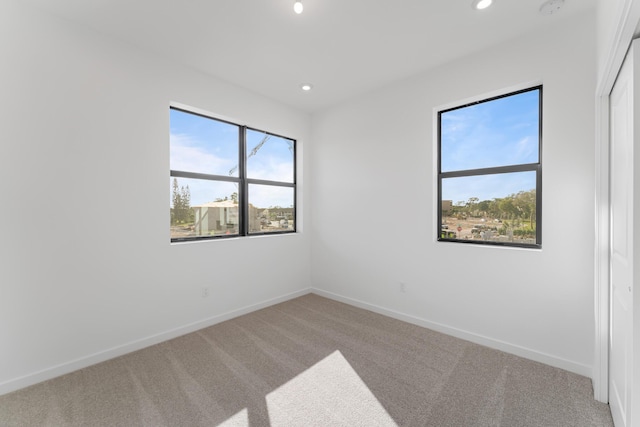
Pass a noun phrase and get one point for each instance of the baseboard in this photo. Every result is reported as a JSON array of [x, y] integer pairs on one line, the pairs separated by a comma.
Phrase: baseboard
[[526, 353], [83, 362]]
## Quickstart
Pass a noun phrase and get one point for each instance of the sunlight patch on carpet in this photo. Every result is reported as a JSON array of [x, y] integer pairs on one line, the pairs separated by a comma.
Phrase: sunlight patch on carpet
[[241, 419], [328, 393]]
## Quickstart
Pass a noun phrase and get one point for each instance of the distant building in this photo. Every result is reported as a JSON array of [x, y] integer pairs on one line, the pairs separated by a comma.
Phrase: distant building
[[220, 217], [447, 205], [215, 217]]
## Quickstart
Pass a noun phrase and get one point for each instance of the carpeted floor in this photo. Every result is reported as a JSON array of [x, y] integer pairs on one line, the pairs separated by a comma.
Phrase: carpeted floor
[[307, 362]]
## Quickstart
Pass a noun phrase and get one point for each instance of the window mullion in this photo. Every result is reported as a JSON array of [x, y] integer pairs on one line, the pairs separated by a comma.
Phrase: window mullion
[[272, 183], [539, 205], [195, 175], [244, 188], [491, 171]]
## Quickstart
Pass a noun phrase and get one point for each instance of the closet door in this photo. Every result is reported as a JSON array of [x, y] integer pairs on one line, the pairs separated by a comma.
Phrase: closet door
[[624, 124]]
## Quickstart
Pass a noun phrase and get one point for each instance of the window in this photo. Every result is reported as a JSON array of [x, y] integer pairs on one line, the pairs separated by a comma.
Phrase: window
[[228, 180], [490, 171]]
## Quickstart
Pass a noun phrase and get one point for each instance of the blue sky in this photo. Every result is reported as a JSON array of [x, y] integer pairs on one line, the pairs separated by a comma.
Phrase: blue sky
[[203, 145], [501, 132]]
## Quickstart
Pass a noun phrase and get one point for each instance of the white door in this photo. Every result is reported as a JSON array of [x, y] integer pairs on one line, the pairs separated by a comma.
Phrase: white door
[[624, 124]]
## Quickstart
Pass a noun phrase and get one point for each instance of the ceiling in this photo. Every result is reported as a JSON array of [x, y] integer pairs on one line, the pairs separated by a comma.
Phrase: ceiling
[[343, 47]]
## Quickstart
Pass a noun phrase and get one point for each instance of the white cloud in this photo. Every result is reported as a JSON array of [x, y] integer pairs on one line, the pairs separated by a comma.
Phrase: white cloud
[[526, 149], [263, 196], [271, 168], [188, 155]]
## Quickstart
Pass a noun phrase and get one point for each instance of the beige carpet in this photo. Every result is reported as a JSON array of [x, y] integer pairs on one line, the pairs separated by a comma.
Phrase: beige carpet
[[311, 361]]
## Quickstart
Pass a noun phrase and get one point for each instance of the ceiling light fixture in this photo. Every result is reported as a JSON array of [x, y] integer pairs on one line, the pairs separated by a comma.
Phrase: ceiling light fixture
[[551, 6], [306, 87], [297, 7], [481, 4]]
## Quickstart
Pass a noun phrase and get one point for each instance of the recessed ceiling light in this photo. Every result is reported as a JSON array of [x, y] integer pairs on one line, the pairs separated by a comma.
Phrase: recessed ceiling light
[[306, 87], [481, 4], [551, 6], [297, 7]]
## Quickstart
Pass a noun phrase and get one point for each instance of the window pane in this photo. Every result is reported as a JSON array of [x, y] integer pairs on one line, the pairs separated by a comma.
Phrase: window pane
[[269, 157], [499, 208], [203, 208], [271, 209], [500, 132], [203, 145]]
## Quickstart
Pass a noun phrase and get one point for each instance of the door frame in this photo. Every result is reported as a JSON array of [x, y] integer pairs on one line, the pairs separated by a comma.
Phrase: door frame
[[613, 57]]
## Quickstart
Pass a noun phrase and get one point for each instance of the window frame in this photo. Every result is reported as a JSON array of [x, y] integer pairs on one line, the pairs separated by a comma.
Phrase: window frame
[[242, 181], [493, 170]]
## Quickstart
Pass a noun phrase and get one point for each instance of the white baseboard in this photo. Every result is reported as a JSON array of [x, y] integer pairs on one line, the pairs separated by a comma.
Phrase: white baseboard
[[83, 362], [526, 353]]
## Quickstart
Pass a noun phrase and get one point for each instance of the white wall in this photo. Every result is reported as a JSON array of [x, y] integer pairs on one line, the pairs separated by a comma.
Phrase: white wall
[[87, 270], [374, 215]]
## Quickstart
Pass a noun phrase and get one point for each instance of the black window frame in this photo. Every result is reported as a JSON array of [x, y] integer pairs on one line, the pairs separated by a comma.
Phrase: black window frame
[[242, 181], [525, 167]]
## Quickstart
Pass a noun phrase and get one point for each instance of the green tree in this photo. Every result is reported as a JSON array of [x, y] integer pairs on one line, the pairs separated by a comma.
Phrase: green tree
[[472, 204], [185, 195], [181, 201], [176, 202], [526, 203], [484, 206], [507, 208]]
